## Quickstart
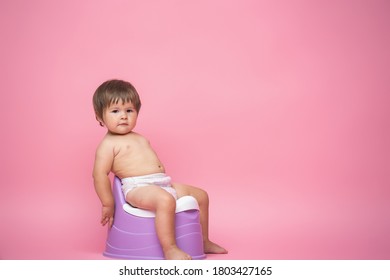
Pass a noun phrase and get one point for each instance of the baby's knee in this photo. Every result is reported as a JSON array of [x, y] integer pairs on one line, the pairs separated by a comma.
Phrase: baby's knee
[[166, 202], [202, 196]]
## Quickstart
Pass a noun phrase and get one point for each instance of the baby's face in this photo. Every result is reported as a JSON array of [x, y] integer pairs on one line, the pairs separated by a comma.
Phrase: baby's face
[[120, 118]]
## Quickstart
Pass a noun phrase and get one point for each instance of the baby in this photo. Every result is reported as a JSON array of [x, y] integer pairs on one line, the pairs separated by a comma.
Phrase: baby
[[144, 183]]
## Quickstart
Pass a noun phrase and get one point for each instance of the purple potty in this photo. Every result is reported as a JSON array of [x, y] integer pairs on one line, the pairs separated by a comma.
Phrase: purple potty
[[133, 234]]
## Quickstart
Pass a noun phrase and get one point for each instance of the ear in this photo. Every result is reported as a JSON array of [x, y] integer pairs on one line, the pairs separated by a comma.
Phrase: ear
[[100, 121]]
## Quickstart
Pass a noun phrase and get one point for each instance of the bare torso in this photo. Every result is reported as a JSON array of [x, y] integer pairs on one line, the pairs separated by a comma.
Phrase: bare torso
[[133, 156]]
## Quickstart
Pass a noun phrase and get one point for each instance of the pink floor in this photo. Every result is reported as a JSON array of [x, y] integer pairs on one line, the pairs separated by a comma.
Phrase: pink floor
[[270, 225]]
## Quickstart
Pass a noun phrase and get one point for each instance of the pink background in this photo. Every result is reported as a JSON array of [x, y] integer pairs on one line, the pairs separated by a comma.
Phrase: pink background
[[280, 109]]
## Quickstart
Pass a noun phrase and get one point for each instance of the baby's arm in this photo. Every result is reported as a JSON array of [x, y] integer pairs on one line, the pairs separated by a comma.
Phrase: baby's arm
[[102, 167]]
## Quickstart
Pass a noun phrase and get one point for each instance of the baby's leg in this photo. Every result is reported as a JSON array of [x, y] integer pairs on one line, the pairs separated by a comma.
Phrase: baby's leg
[[156, 199], [203, 200]]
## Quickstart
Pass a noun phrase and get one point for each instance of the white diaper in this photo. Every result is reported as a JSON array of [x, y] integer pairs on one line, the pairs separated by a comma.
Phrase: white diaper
[[157, 179]]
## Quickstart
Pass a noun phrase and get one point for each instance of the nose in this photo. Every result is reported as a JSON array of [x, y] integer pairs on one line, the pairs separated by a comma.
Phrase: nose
[[123, 115]]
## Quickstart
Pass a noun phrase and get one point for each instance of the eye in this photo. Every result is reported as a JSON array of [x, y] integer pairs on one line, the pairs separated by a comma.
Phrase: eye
[[115, 111], [129, 110]]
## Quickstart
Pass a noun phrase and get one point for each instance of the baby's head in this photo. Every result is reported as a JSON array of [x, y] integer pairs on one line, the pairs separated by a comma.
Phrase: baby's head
[[111, 92]]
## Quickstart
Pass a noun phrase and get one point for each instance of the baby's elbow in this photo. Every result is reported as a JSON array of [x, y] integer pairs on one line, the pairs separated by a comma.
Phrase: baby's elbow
[[100, 177], [95, 175]]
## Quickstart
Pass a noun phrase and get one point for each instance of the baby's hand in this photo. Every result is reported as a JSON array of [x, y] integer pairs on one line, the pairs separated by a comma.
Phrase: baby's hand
[[107, 215]]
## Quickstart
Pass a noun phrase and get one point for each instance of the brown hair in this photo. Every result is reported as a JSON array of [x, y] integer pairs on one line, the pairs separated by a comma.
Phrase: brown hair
[[111, 92]]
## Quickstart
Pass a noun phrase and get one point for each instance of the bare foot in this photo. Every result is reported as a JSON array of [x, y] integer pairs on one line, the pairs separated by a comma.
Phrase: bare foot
[[212, 248], [174, 253]]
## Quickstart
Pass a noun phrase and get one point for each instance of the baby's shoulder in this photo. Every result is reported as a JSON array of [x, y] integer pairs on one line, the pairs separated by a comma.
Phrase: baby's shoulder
[[140, 139], [108, 142], [136, 135]]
